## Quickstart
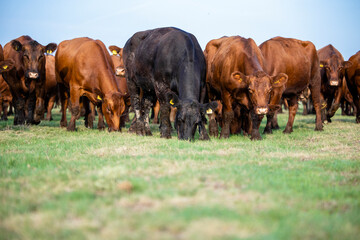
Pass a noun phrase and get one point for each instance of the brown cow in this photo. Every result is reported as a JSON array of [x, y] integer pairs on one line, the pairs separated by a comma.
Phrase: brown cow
[[121, 80], [331, 68], [5, 94], [51, 88], [84, 66], [352, 76], [27, 79], [299, 60], [235, 74]]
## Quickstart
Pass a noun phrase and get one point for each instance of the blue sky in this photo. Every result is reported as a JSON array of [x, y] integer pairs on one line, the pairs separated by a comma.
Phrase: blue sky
[[320, 21]]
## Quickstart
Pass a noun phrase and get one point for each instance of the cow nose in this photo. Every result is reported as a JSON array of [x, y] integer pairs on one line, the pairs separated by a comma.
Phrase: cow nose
[[334, 83], [262, 111], [33, 75], [120, 72]]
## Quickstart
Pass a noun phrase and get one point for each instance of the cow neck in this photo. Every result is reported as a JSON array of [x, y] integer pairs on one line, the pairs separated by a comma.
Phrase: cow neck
[[189, 88], [107, 83]]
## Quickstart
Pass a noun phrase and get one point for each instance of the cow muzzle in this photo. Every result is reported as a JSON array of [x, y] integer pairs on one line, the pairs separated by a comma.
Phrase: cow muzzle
[[32, 75], [261, 110], [334, 83], [120, 72]]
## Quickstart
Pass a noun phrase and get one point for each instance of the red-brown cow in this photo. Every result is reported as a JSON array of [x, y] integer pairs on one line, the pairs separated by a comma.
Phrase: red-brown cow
[[331, 68], [352, 76], [299, 60], [27, 79], [5, 94], [235, 74], [121, 80], [84, 66], [51, 88]]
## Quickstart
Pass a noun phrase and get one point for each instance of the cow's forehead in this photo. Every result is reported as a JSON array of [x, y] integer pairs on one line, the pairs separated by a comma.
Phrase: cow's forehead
[[33, 47]]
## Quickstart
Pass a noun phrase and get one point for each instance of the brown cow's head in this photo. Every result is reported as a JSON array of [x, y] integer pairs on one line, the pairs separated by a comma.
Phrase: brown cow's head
[[32, 55], [259, 86], [113, 107], [190, 114], [117, 60], [333, 70]]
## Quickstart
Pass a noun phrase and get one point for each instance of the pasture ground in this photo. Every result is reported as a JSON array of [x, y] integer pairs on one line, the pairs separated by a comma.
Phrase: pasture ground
[[88, 184]]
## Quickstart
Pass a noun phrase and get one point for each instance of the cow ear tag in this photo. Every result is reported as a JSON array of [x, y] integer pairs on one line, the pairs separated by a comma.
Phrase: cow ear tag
[[114, 52], [48, 51], [98, 97], [237, 77], [321, 65], [5, 67], [209, 111], [277, 81], [171, 102]]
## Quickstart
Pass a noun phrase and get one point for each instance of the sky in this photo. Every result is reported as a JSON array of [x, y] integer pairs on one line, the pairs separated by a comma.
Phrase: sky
[[322, 22]]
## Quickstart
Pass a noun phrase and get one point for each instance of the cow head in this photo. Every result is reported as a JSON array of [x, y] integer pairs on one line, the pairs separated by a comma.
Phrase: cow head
[[190, 114], [117, 60], [333, 69], [113, 107], [33, 57], [259, 86], [6, 65]]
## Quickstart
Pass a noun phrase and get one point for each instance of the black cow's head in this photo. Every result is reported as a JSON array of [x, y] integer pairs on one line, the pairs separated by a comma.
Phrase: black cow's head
[[333, 69], [259, 86], [32, 56], [190, 114]]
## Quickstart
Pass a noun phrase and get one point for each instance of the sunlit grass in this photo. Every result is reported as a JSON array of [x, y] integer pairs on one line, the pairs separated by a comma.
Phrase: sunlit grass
[[92, 184]]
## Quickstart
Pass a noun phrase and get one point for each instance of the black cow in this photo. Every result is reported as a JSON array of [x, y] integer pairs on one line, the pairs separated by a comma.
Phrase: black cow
[[167, 62]]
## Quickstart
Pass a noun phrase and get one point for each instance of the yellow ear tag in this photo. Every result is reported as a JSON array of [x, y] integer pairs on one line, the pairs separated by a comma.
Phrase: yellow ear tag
[[5, 67], [321, 65], [209, 111], [114, 52], [171, 102], [277, 81], [98, 97]]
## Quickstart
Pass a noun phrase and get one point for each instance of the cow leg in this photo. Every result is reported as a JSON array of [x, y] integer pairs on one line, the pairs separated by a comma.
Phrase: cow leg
[[335, 106], [88, 106], [19, 109], [316, 97], [101, 124], [147, 105], [75, 108], [213, 126], [64, 98], [293, 106], [256, 121], [228, 115], [156, 110], [39, 110], [1, 110], [50, 106], [305, 109], [165, 124]]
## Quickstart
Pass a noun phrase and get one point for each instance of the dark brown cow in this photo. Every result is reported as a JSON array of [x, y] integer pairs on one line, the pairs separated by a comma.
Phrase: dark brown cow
[[27, 79], [331, 68], [121, 80], [352, 76], [51, 88], [5, 94], [235, 75], [299, 60], [84, 66]]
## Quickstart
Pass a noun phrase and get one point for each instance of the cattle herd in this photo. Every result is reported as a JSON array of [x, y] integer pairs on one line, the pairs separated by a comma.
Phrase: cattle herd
[[233, 82]]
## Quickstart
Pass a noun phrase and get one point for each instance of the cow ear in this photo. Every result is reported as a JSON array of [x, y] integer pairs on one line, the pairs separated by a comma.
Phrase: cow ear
[[172, 99], [240, 78], [115, 50], [6, 65], [50, 48], [323, 64], [346, 64], [279, 80], [16, 45], [209, 107]]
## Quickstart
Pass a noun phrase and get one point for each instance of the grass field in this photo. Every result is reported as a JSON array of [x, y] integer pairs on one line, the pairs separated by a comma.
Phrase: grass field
[[88, 184]]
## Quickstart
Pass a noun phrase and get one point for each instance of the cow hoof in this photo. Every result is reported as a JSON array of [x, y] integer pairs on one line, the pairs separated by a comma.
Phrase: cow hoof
[[167, 136], [204, 137], [276, 127], [287, 131], [148, 132], [224, 136], [63, 124], [255, 138], [267, 131], [358, 120], [319, 128]]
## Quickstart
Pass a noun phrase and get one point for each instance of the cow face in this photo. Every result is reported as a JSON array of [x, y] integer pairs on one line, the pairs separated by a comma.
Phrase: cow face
[[190, 114], [259, 86], [333, 69], [32, 56], [113, 107]]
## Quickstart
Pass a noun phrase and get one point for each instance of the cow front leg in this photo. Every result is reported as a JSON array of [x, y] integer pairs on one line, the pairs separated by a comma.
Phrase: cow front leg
[[256, 120], [75, 108], [147, 105], [165, 124], [293, 106], [64, 98]]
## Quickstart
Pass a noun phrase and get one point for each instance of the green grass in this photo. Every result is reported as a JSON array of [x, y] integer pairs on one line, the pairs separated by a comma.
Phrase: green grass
[[88, 184]]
